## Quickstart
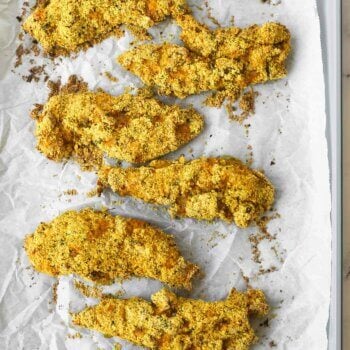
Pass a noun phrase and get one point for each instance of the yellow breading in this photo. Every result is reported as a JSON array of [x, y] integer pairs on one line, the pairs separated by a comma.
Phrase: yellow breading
[[136, 129], [100, 247], [205, 188], [226, 60], [170, 322], [65, 26]]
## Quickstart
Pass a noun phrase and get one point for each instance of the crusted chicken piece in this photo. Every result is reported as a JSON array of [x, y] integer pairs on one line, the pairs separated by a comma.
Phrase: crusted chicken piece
[[205, 188], [85, 125], [65, 26], [225, 60], [100, 247], [170, 322]]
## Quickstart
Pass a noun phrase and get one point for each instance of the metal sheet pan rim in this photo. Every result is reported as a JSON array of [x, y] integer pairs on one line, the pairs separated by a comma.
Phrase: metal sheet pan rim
[[330, 18]]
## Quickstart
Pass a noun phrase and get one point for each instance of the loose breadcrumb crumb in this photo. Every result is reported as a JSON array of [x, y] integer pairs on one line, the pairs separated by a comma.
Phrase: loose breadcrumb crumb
[[74, 336], [246, 105], [54, 292], [111, 77], [72, 192], [88, 291], [94, 192]]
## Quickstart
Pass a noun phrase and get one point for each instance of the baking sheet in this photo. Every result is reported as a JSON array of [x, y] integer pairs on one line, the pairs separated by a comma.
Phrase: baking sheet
[[287, 137]]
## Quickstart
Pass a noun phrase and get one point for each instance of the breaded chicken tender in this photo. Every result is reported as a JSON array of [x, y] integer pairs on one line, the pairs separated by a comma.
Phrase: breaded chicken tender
[[170, 322], [225, 60], [204, 188], [101, 248], [65, 26], [87, 125]]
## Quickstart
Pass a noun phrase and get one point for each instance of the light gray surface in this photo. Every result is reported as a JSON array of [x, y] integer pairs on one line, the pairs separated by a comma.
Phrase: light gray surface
[[330, 16]]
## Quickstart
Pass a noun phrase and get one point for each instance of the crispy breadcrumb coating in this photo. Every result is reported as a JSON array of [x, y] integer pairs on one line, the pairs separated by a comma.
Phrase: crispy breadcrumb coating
[[100, 247], [85, 125], [65, 26], [226, 60], [205, 188], [170, 322]]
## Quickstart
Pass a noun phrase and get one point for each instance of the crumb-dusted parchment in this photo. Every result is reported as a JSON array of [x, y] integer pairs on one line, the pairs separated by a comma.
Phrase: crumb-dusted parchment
[[285, 138]]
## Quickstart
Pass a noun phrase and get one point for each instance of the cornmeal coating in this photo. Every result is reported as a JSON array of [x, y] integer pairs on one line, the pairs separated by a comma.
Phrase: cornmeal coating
[[171, 322], [101, 248], [204, 188], [85, 125], [225, 60], [65, 26]]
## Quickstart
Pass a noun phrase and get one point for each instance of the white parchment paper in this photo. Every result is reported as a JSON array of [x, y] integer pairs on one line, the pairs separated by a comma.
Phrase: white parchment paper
[[287, 136]]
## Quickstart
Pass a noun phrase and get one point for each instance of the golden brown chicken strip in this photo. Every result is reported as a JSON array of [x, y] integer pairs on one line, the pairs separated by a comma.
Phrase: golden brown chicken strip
[[226, 60], [100, 247], [85, 125], [205, 188], [170, 322], [65, 26]]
